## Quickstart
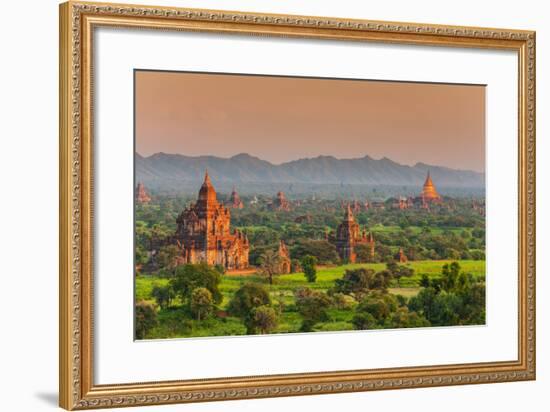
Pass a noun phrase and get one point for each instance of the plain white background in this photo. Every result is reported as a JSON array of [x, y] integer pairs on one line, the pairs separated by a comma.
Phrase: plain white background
[[29, 190]]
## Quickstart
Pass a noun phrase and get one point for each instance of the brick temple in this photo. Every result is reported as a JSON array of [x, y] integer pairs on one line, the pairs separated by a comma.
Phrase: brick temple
[[348, 236], [235, 201], [284, 257], [142, 196], [204, 233], [280, 203]]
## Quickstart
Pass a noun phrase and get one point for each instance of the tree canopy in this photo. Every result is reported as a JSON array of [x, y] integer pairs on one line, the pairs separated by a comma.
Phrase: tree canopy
[[189, 277]]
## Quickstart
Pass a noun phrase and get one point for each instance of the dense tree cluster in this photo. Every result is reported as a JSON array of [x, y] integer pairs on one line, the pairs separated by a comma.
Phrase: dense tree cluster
[[146, 319], [191, 295], [246, 301], [357, 282], [312, 305], [456, 231], [453, 298], [190, 277], [457, 298]]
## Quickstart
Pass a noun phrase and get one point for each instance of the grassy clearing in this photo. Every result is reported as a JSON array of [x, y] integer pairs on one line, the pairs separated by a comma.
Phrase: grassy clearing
[[173, 323]]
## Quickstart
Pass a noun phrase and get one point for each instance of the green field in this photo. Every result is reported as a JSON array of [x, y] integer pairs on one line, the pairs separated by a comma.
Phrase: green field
[[172, 323]]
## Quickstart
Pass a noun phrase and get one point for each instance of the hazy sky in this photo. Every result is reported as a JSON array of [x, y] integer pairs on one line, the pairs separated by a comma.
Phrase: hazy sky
[[280, 118]]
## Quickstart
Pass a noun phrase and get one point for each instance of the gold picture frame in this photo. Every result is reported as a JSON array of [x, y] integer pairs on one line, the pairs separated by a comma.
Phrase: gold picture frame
[[76, 386]]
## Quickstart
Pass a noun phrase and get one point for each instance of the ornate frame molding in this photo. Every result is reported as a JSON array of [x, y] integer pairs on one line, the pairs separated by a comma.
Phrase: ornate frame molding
[[77, 21]]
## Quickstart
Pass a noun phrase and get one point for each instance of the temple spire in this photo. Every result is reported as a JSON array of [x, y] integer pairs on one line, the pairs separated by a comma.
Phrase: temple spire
[[429, 191], [349, 213], [207, 177], [141, 194], [207, 193], [235, 200], [428, 181]]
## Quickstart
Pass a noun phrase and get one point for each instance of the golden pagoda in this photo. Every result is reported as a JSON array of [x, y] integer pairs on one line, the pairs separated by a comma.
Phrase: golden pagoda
[[429, 193]]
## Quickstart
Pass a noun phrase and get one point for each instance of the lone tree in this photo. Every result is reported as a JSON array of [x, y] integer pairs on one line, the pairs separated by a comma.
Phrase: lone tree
[[270, 263], [189, 277], [312, 305], [146, 318], [264, 319], [308, 266], [249, 297], [399, 271], [201, 303], [449, 276], [358, 282]]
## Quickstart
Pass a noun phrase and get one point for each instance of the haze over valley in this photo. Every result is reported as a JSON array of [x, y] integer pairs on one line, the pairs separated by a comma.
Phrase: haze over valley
[[322, 175]]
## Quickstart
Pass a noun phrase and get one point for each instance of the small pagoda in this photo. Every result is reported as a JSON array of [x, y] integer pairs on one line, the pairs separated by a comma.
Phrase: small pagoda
[[142, 197], [280, 203], [235, 201]]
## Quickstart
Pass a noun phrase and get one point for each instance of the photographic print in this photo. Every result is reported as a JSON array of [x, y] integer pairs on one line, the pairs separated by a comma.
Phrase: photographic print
[[277, 204]]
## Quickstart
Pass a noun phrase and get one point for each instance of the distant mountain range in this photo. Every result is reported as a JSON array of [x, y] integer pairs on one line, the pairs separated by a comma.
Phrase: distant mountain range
[[167, 171]]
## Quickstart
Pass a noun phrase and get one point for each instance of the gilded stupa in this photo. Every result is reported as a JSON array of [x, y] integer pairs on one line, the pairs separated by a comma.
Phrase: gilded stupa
[[429, 193]]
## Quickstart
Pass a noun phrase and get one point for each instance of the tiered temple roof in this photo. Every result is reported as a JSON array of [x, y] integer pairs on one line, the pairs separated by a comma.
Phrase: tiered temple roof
[[204, 235], [348, 235]]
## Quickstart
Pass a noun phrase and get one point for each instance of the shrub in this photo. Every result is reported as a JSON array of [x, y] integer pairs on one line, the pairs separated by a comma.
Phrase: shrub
[[360, 281], [363, 321], [146, 319], [342, 302], [355, 281], [264, 319], [403, 318], [163, 295], [399, 271]]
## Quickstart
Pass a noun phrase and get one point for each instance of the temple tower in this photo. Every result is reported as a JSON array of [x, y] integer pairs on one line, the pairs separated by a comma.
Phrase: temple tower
[[284, 257], [235, 201], [280, 203], [348, 236], [141, 194], [204, 235], [429, 192]]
